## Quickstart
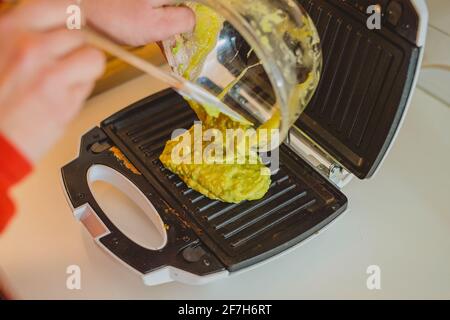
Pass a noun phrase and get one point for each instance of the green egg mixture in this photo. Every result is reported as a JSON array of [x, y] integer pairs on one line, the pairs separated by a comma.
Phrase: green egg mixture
[[227, 182], [236, 181]]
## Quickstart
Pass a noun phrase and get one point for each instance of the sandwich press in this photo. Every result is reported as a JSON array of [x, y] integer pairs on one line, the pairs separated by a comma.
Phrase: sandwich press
[[347, 130]]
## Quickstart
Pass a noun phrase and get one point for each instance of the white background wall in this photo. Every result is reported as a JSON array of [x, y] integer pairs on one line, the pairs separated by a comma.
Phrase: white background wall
[[437, 81]]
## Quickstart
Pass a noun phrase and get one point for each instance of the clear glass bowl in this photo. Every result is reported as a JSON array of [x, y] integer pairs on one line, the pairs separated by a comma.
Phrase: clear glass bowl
[[262, 57]]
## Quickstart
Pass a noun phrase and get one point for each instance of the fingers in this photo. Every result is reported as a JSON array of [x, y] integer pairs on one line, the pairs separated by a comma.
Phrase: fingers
[[79, 93], [139, 22], [75, 98], [81, 66], [45, 74], [61, 42], [169, 21], [34, 52], [40, 15], [173, 20], [66, 85], [160, 3]]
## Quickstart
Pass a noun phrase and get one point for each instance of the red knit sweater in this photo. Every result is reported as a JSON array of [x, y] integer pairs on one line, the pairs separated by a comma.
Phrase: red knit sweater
[[13, 167]]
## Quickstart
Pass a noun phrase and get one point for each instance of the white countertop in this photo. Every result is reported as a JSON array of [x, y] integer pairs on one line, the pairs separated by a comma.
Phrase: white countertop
[[400, 221]]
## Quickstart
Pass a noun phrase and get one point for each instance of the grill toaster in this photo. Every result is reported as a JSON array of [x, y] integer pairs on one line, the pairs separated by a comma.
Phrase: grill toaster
[[346, 131]]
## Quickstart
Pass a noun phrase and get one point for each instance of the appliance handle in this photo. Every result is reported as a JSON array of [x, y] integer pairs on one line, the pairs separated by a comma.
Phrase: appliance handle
[[96, 163]]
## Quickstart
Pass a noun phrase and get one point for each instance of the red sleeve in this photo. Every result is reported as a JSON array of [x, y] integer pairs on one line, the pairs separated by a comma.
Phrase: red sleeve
[[13, 167]]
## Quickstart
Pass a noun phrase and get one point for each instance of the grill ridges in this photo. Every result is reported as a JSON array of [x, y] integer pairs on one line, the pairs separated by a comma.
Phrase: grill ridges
[[267, 226], [299, 201], [234, 226], [242, 213], [362, 89], [242, 225]]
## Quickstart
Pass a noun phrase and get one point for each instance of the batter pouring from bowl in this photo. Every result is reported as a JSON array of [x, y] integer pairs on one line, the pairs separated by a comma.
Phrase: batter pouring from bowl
[[237, 173]]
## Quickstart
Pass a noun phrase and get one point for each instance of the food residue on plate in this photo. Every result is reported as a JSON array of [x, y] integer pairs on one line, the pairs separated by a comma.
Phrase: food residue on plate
[[124, 160]]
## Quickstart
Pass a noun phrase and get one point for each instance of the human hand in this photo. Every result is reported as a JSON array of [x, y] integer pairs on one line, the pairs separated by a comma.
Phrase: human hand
[[46, 73], [138, 22]]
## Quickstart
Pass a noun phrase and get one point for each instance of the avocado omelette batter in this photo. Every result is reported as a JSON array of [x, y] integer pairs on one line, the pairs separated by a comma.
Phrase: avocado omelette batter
[[217, 179]]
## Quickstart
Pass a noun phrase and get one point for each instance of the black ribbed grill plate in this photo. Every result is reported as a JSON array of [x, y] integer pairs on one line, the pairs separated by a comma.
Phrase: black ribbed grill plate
[[298, 203], [366, 80]]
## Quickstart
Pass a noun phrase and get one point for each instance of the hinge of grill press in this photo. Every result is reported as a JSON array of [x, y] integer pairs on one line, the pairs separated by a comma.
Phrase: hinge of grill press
[[318, 158]]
